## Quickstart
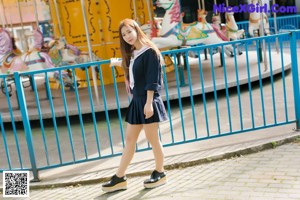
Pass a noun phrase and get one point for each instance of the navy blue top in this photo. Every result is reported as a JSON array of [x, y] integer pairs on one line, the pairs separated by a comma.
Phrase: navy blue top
[[147, 73]]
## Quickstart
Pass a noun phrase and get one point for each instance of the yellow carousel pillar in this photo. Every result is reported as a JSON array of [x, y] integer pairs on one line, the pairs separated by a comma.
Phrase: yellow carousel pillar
[[103, 19]]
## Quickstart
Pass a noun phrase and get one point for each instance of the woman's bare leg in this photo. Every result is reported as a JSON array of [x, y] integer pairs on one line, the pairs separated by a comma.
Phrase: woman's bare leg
[[132, 134], [151, 131]]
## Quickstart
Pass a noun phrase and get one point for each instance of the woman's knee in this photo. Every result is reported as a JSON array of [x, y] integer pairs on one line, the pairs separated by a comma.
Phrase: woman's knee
[[130, 138], [153, 138], [151, 132], [132, 133], [154, 142]]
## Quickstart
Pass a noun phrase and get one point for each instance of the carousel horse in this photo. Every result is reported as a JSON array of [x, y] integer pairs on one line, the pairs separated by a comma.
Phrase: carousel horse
[[222, 30], [62, 53], [255, 21], [174, 33], [33, 59], [228, 31], [232, 30], [217, 25], [9, 60], [151, 29]]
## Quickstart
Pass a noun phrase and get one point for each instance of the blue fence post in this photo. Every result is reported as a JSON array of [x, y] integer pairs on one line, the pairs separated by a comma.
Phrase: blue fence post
[[294, 63], [26, 124]]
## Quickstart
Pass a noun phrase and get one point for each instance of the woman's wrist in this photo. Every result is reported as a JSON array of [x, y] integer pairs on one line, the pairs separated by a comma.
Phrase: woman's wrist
[[149, 97], [149, 102]]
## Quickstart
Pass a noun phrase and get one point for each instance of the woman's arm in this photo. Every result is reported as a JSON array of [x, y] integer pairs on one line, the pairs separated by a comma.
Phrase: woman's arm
[[127, 85], [152, 76], [148, 108]]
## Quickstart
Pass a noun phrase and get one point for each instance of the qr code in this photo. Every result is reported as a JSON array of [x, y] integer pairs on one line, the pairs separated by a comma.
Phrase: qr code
[[15, 183]]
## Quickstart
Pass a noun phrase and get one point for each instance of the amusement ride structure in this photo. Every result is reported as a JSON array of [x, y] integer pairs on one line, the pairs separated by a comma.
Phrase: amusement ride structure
[[62, 33]]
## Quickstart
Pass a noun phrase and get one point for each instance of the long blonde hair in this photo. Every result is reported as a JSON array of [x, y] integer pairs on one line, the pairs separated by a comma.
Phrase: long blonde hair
[[127, 49]]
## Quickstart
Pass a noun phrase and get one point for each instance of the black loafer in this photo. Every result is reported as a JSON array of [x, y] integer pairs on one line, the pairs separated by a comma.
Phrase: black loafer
[[156, 179], [115, 184]]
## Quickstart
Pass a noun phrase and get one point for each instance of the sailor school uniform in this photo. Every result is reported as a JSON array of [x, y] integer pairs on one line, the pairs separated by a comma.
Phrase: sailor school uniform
[[145, 74]]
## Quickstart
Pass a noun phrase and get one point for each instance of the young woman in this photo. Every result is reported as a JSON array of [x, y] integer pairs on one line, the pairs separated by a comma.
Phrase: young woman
[[141, 61]]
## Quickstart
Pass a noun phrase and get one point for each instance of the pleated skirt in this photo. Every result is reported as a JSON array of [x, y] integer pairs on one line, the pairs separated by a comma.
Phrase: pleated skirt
[[135, 113]]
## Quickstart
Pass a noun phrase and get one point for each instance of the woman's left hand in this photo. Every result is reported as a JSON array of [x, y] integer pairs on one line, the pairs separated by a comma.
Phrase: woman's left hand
[[148, 110]]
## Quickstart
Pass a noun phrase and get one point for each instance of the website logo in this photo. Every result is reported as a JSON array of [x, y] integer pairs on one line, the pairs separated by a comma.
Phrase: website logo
[[251, 8]]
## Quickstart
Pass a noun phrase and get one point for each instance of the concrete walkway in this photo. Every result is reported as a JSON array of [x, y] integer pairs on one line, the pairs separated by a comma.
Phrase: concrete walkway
[[272, 172]]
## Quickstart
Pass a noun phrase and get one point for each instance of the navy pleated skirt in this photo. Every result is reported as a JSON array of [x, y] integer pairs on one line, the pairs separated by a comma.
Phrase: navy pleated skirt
[[135, 113]]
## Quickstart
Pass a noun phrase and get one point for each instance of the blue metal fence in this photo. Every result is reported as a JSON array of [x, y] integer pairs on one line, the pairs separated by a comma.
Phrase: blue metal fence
[[284, 23], [210, 110]]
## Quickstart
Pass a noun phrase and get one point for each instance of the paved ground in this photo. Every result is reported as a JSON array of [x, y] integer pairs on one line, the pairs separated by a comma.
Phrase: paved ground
[[269, 174]]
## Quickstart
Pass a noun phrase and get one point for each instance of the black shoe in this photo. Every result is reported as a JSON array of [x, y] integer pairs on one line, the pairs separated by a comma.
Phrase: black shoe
[[115, 184], [156, 179]]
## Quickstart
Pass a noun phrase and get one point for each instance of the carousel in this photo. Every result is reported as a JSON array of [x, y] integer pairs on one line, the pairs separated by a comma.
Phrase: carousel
[[80, 32]]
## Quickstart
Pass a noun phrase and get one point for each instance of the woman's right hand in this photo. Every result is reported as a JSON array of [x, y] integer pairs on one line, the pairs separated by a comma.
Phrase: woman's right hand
[[127, 85], [115, 62]]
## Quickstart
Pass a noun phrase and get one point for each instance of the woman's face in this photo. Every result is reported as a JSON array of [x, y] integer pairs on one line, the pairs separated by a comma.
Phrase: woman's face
[[129, 34]]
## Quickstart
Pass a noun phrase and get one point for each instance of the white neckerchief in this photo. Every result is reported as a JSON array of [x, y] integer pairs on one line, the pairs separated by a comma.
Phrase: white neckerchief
[[135, 54]]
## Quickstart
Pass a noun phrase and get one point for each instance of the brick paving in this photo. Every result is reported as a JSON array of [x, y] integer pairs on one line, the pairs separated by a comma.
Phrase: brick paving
[[269, 174]]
